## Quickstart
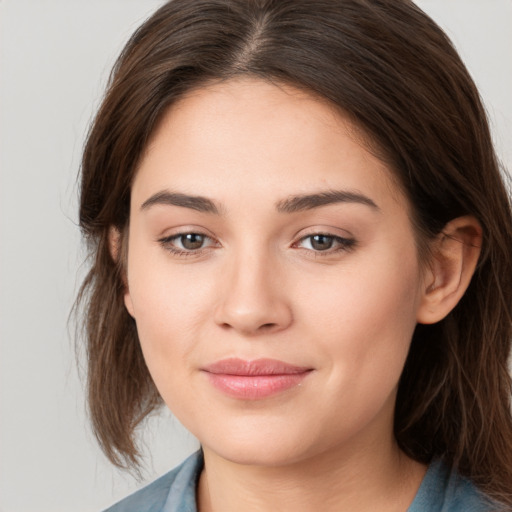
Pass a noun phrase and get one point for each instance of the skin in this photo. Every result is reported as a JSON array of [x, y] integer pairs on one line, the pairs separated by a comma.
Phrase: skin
[[258, 287]]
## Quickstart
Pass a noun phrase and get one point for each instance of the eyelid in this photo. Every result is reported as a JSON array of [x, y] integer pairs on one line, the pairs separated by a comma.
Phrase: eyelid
[[344, 243], [184, 229], [345, 240], [166, 241], [322, 229]]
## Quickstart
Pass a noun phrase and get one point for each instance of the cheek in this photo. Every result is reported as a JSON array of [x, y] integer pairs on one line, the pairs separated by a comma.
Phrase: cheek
[[168, 312], [169, 305], [168, 321], [367, 315], [163, 295]]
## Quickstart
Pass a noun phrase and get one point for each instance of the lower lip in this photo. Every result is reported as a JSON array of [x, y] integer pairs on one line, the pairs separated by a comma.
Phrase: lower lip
[[255, 387]]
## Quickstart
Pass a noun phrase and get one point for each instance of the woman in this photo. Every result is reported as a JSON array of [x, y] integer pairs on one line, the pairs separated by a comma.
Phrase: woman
[[302, 246]]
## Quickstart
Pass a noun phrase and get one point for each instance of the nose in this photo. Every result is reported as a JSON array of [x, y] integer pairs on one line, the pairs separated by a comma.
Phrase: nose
[[253, 298]]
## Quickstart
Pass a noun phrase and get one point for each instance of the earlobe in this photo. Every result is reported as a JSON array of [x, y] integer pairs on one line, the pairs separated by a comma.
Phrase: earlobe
[[455, 255], [115, 248]]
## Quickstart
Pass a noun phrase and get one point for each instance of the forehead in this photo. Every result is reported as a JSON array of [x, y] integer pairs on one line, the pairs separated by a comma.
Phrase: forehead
[[244, 105], [248, 132]]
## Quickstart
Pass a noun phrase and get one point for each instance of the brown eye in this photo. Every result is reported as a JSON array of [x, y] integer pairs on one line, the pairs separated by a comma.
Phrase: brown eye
[[328, 244], [321, 242], [187, 244], [192, 241]]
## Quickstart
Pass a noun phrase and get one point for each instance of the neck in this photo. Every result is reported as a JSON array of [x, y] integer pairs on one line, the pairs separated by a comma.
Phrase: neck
[[379, 477]]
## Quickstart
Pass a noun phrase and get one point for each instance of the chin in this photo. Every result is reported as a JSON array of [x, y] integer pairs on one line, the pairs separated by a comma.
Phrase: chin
[[263, 445]]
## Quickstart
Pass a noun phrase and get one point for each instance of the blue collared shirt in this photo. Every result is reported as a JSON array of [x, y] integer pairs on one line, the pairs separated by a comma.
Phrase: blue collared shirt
[[440, 491]]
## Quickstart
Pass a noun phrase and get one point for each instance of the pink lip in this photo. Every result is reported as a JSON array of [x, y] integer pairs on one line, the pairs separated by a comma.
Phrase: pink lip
[[253, 380]]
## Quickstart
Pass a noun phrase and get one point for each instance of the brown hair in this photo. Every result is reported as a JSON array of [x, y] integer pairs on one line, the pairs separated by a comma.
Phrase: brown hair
[[394, 71]]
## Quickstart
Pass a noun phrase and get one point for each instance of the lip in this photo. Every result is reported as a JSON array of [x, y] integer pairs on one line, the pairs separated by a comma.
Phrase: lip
[[254, 380]]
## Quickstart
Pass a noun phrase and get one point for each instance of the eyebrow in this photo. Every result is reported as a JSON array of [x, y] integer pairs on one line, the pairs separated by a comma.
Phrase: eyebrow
[[292, 204], [309, 201], [199, 203]]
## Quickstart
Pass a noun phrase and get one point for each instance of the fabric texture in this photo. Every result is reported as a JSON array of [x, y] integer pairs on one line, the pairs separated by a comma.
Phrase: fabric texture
[[441, 491]]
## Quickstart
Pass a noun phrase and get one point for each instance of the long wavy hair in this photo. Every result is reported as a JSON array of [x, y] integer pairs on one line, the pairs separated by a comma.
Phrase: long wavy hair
[[396, 74]]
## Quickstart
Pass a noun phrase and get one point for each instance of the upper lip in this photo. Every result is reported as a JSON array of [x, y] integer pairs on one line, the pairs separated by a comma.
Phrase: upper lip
[[235, 366]]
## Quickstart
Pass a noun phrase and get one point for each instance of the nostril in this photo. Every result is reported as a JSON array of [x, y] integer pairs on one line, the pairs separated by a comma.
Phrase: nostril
[[263, 327], [252, 317]]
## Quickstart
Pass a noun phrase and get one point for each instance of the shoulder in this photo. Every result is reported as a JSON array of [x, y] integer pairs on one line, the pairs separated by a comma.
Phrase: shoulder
[[176, 487], [463, 496], [443, 490]]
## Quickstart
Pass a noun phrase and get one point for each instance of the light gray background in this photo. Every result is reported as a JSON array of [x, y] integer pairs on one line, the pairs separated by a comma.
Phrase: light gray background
[[55, 56]]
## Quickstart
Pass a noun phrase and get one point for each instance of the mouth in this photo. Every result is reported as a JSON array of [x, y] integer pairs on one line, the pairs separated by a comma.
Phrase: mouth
[[254, 380]]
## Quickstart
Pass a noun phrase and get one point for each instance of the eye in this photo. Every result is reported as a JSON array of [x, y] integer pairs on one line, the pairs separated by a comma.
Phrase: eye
[[186, 243], [191, 241], [320, 242]]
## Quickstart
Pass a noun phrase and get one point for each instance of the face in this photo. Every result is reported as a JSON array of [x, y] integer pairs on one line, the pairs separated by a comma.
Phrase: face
[[273, 274]]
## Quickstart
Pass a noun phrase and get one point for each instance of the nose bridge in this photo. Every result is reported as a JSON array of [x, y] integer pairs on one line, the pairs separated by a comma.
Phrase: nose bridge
[[253, 299]]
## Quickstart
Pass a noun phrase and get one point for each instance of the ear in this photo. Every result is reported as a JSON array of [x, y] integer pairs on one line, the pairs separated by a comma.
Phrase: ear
[[455, 254], [114, 243], [116, 251]]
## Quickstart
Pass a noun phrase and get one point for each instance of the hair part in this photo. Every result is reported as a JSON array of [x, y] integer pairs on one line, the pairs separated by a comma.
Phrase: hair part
[[396, 74]]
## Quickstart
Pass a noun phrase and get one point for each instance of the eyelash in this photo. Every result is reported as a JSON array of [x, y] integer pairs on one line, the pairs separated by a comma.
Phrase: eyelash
[[167, 242], [344, 244]]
